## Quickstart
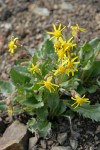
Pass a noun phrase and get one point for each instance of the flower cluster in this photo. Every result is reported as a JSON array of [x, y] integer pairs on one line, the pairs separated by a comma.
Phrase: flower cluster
[[64, 50], [67, 60]]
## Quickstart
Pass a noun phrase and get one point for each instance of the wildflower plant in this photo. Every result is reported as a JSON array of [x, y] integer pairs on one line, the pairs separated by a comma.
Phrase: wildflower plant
[[54, 80]]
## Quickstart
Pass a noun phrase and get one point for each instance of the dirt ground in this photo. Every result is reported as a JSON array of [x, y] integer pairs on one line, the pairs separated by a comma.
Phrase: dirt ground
[[30, 19]]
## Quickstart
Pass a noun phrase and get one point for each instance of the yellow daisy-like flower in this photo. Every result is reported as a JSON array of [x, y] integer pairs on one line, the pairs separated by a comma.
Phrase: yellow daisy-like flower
[[67, 45], [61, 54], [61, 69], [57, 46], [57, 32], [79, 100], [34, 69], [76, 28], [10, 111], [70, 65], [12, 45], [50, 86]]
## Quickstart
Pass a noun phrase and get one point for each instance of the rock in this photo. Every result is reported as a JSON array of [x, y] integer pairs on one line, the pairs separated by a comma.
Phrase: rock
[[73, 143], [1, 2], [50, 142], [97, 17], [61, 148], [62, 137], [97, 130], [8, 26], [32, 143], [2, 40], [40, 11], [98, 148], [43, 144], [96, 138], [15, 137], [68, 148], [66, 6]]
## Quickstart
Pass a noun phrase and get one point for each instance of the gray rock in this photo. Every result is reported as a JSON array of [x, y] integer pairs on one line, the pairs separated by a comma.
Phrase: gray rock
[[97, 130], [15, 137], [61, 148], [62, 137], [98, 148], [73, 143], [50, 142], [1, 2], [32, 143], [43, 144], [8, 26], [40, 11], [68, 148], [66, 6]]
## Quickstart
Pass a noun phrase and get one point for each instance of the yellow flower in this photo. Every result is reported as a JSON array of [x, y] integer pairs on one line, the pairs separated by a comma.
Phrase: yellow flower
[[50, 86], [34, 69], [79, 100], [76, 29], [57, 46], [10, 111], [60, 54], [67, 45], [12, 45], [70, 67], [57, 32], [61, 69]]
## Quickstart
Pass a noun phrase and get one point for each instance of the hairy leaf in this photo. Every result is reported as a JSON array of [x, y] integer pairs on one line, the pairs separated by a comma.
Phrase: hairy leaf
[[6, 88], [18, 77], [70, 84], [42, 126], [89, 111], [3, 106]]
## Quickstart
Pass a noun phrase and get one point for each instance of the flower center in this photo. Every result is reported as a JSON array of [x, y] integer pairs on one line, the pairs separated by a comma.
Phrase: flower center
[[12, 45], [35, 68], [57, 45], [47, 84], [61, 69], [70, 64], [79, 100], [57, 33]]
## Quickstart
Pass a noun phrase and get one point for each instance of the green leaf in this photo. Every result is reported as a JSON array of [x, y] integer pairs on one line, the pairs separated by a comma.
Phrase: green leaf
[[53, 102], [95, 42], [88, 65], [70, 84], [89, 111], [87, 47], [81, 90], [42, 126], [3, 106], [42, 113], [49, 47], [86, 110], [6, 88], [96, 68], [98, 81], [60, 109], [18, 77], [47, 50], [56, 105], [38, 96], [92, 88], [32, 102]]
